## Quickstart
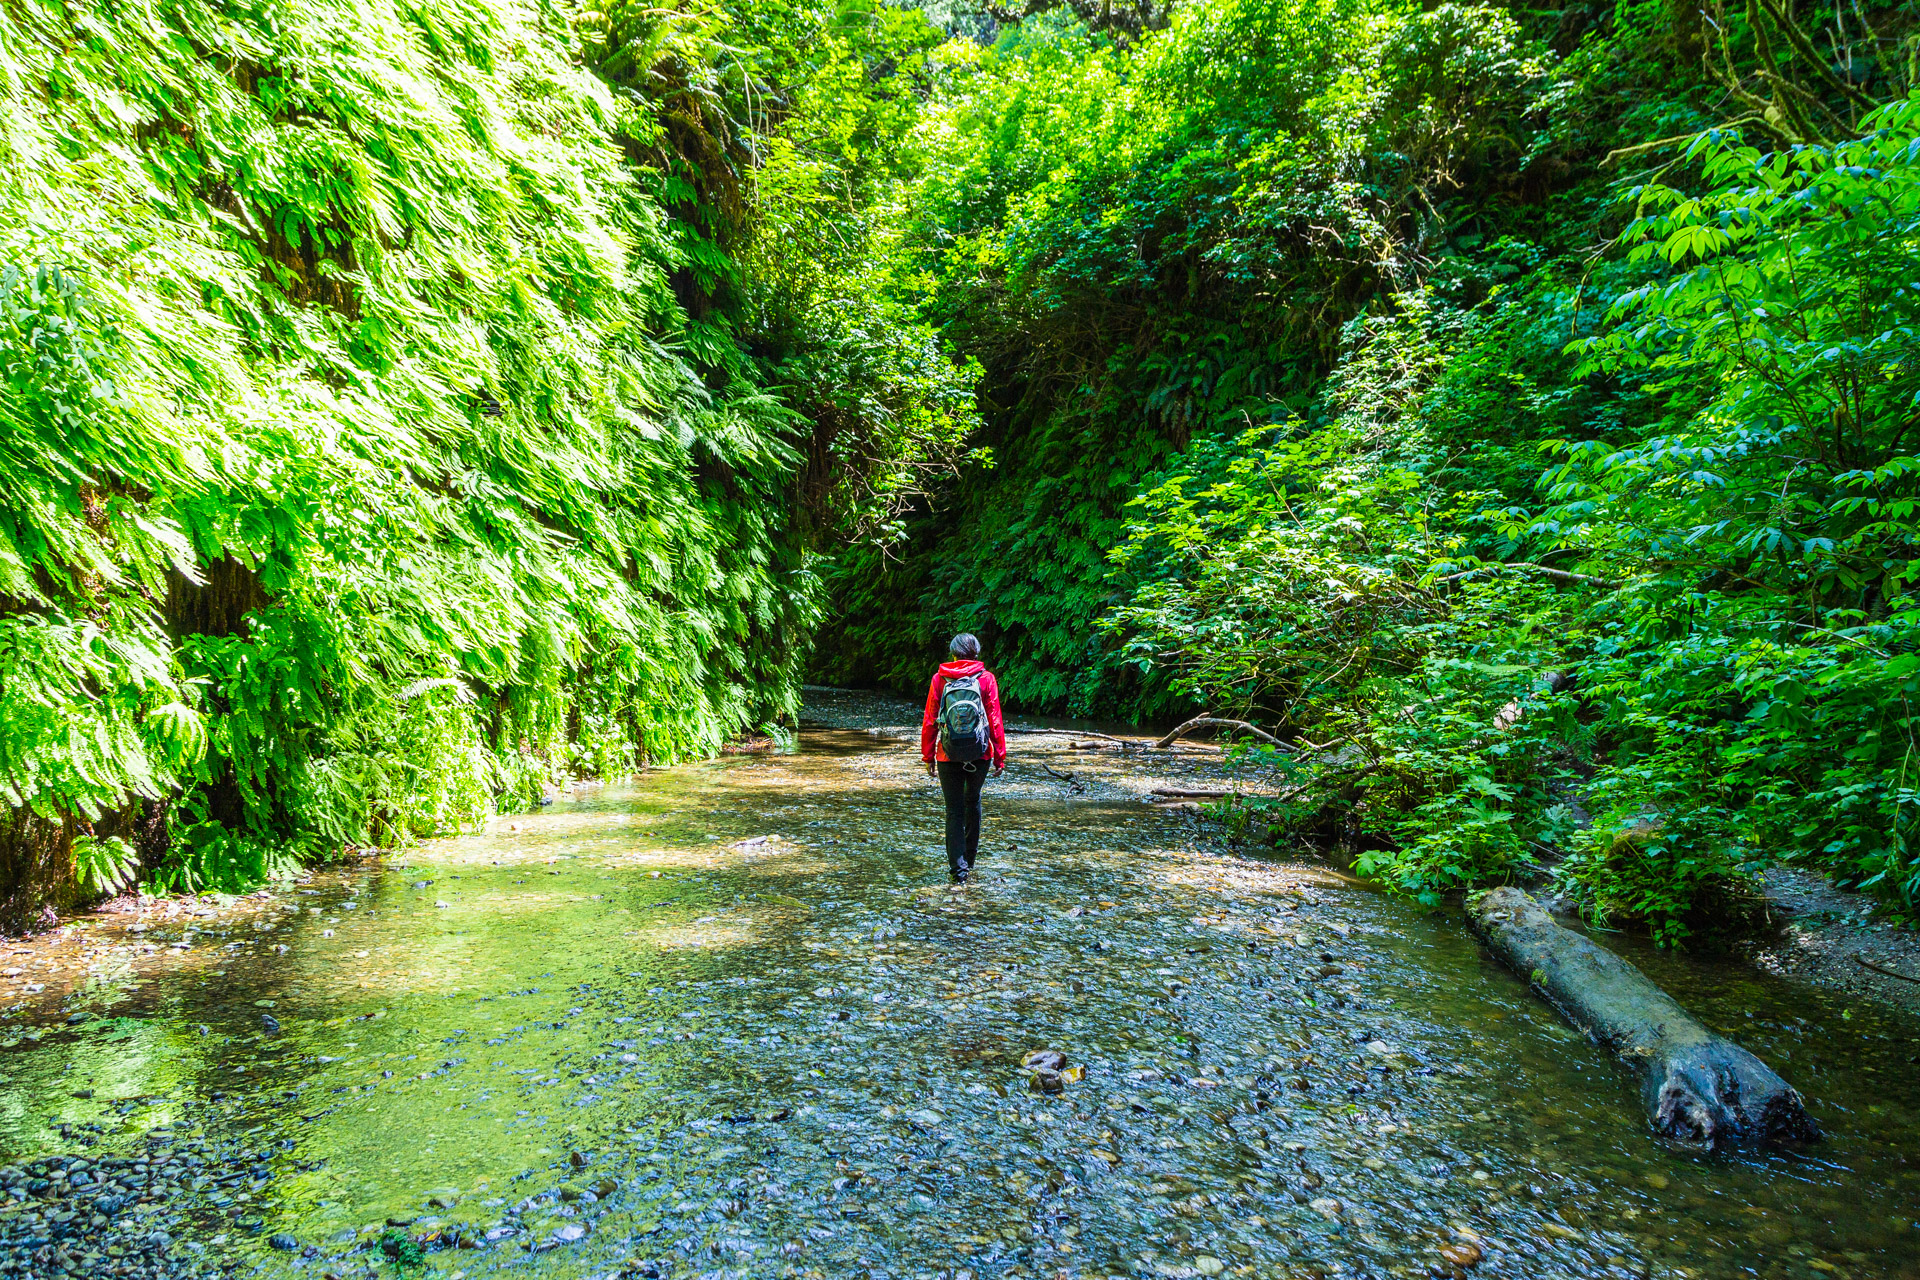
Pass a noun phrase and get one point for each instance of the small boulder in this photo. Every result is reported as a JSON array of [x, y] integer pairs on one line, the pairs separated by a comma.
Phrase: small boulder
[[1045, 1082]]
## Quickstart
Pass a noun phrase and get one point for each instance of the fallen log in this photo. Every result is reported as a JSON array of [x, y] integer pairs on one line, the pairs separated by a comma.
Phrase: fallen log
[[1203, 722], [1696, 1086]]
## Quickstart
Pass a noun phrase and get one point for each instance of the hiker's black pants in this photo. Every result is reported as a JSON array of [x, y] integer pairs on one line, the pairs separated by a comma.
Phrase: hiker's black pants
[[960, 784]]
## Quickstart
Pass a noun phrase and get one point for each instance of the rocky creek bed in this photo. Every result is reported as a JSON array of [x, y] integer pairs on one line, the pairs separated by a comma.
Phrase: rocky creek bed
[[730, 1021]]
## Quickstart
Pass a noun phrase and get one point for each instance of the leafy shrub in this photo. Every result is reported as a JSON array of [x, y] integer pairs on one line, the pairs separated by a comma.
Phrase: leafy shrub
[[1675, 878]]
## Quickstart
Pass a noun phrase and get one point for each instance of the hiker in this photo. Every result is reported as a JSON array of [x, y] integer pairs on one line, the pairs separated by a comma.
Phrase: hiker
[[961, 736]]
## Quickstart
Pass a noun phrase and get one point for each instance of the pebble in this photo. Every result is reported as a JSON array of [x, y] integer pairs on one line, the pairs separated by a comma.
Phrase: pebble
[[115, 1214]]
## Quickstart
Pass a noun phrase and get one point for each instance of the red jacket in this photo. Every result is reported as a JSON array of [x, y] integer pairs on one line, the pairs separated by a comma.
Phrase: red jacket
[[930, 749]]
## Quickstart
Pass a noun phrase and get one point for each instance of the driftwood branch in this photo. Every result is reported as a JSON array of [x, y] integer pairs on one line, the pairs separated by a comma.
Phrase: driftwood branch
[[1087, 735], [1078, 733], [1204, 721], [1545, 571], [1694, 1084], [1068, 778], [1878, 968]]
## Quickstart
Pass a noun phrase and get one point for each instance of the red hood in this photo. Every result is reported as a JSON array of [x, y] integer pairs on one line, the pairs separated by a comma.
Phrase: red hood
[[969, 667]]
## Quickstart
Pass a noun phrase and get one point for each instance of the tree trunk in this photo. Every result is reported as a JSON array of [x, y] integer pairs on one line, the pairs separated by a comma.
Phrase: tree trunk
[[36, 871], [1696, 1085]]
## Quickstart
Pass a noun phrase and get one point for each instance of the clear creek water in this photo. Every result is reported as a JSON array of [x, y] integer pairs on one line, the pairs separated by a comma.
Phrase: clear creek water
[[619, 1041]]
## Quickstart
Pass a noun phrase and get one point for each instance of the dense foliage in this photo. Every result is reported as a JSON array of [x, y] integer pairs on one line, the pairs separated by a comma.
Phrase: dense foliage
[[405, 408], [1511, 409]]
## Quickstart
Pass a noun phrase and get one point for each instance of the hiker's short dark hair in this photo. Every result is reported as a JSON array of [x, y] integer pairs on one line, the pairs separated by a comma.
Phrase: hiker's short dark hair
[[964, 645]]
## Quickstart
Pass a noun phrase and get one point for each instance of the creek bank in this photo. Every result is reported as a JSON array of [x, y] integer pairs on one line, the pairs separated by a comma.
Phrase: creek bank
[[1696, 1086], [1845, 941], [48, 975], [1837, 938]]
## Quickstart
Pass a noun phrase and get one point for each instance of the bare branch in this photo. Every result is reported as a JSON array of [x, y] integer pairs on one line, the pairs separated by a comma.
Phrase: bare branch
[[1203, 721], [1546, 571]]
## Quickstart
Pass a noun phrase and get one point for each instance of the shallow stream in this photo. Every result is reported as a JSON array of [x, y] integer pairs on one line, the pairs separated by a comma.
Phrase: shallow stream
[[632, 1037]]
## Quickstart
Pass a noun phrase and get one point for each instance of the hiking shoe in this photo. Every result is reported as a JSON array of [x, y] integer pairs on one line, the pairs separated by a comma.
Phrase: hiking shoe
[[959, 875]]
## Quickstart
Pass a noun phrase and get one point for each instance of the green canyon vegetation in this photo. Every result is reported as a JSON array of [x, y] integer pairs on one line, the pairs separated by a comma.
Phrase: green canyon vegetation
[[1511, 407]]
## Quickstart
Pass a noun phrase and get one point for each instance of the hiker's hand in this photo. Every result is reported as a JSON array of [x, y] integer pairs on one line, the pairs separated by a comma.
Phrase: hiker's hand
[[931, 771], [999, 769]]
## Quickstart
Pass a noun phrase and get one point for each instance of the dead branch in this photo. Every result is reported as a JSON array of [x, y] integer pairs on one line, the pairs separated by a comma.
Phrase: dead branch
[[1905, 977], [1078, 787], [1125, 744], [1204, 721], [1678, 139], [1546, 571], [1081, 733]]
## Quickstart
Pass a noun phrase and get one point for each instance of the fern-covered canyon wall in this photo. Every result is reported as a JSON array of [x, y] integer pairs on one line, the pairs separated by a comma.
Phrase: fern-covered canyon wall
[[405, 407]]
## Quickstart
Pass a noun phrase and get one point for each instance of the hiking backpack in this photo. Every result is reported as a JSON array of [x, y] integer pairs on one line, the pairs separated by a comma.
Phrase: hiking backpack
[[963, 720]]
